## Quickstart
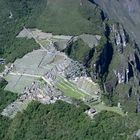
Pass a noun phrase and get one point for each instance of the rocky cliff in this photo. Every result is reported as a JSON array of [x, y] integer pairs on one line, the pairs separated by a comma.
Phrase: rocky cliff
[[115, 64], [125, 61], [128, 14]]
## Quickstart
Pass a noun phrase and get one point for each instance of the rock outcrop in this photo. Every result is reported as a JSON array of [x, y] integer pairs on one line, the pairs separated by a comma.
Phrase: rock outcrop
[[128, 14], [126, 57]]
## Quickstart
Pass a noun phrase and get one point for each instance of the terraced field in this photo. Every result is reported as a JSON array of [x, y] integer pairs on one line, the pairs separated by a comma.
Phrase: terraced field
[[18, 83], [70, 89], [100, 107]]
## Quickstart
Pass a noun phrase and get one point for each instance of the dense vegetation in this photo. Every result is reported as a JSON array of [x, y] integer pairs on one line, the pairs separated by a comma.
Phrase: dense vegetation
[[78, 50], [6, 97], [11, 47], [19, 48], [71, 17], [62, 121]]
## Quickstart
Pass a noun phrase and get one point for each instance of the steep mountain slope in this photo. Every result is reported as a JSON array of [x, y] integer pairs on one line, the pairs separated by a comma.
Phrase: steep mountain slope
[[124, 11], [114, 63], [69, 17]]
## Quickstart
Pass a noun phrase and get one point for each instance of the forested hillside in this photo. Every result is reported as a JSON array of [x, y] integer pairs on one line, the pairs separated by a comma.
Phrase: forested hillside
[[62, 121], [11, 47]]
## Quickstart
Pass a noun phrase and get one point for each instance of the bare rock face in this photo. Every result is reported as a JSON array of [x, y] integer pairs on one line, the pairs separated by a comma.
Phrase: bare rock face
[[119, 37], [131, 6], [119, 59], [129, 53], [126, 12]]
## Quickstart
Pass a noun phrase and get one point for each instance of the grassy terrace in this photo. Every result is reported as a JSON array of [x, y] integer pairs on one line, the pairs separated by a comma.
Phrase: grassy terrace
[[100, 107], [69, 89]]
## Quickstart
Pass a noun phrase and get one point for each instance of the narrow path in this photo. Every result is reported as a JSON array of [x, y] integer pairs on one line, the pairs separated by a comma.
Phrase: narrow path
[[31, 75], [17, 81], [46, 81], [24, 74], [42, 60], [35, 39]]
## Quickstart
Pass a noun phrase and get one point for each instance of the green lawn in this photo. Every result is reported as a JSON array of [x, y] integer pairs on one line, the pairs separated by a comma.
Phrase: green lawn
[[100, 107], [70, 89]]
